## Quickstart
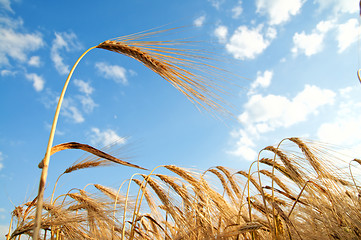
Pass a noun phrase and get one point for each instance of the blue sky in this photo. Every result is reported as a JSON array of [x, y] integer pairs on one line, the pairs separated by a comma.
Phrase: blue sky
[[297, 60]]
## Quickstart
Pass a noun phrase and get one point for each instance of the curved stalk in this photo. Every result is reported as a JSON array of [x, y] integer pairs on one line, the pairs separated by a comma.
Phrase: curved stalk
[[44, 171]]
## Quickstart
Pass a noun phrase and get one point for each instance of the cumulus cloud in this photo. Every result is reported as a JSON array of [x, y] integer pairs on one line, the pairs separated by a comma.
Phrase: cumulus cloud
[[262, 80], [34, 61], [237, 10], [347, 34], [264, 114], [198, 22], [114, 72], [279, 11], [310, 44], [38, 81], [63, 41], [105, 137], [247, 43], [221, 33], [15, 44]]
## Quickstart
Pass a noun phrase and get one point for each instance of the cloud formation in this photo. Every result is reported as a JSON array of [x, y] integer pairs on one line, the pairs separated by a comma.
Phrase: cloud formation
[[262, 80], [34, 61], [16, 44], [221, 32], [38, 81], [114, 72], [63, 41], [247, 43], [279, 11], [237, 10], [105, 137], [347, 34], [338, 6], [310, 44], [263, 114], [198, 22]]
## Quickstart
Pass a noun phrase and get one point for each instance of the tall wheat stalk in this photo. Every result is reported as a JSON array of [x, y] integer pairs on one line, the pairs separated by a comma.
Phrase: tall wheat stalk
[[175, 65]]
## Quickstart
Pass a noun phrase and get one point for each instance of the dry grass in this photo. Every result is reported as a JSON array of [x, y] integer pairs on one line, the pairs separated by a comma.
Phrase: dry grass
[[183, 204], [312, 199]]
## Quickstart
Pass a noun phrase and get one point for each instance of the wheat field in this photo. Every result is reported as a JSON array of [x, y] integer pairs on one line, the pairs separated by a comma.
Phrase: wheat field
[[295, 192]]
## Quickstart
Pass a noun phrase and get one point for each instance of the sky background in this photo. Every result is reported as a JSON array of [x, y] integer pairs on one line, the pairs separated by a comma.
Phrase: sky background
[[297, 60]]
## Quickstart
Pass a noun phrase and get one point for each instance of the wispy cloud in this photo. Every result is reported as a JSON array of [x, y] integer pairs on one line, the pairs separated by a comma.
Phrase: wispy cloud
[[310, 44], [237, 10], [198, 22], [114, 72], [105, 137], [16, 44], [263, 114], [247, 43], [338, 6], [38, 81], [34, 61], [216, 3], [86, 100], [83, 86], [279, 11], [6, 5], [63, 41], [71, 111]]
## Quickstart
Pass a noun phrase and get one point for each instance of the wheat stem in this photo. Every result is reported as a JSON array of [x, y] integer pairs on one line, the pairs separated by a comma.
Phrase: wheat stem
[[44, 171]]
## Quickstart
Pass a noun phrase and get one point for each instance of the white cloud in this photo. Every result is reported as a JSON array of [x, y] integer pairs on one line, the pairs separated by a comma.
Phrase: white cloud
[[264, 114], [216, 3], [114, 72], [198, 22], [86, 101], [17, 45], [237, 10], [221, 33], [71, 111], [34, 61], [347, 34], [6, 72], [248, 43], [38, 81], [279, 11], [83, 86], [105, 138], [339, 6], [63, 41], [6, 5], [310, 44], [261, 81]]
